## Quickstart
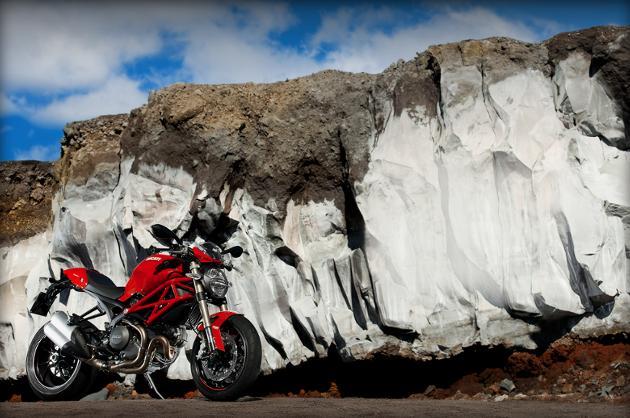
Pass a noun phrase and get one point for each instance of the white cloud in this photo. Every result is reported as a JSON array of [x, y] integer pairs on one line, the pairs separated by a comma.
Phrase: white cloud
[[117, 95], [231, 58], [39, 152], [361, 43], [73, 56], [237, 47], [362, 47], [54, 46], [60, 46], [7, 106]]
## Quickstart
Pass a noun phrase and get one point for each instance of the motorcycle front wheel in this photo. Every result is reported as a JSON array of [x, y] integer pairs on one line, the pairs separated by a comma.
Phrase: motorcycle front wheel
[[226, 375]]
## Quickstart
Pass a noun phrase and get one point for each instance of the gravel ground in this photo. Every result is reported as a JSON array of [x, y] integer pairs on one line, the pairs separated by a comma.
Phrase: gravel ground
[[314, 407]]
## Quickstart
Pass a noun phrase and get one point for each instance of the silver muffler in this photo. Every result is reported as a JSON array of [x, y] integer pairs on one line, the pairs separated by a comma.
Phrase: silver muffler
[[68, 338]]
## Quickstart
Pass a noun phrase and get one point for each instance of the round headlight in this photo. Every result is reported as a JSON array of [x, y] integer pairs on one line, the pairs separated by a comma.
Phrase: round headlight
[[215, 282]]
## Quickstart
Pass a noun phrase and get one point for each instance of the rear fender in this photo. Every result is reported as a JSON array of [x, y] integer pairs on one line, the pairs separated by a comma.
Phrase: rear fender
[[45, 299], [216, 321]]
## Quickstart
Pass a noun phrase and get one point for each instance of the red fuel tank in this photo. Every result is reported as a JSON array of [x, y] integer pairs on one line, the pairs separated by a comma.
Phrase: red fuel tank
[[150, 273]]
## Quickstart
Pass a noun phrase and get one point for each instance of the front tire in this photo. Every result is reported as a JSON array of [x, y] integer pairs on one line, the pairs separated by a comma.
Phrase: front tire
[[53, 375], [225, 376]]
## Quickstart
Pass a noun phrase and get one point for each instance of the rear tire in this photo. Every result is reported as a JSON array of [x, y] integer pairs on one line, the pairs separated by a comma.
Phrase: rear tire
[[55, 376], [239, 334]]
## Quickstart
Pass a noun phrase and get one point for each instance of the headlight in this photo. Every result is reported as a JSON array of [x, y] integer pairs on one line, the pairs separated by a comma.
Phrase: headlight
[[215, 282]]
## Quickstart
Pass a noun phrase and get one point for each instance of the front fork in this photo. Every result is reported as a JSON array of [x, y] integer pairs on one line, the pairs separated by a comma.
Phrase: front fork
[[200, 295]]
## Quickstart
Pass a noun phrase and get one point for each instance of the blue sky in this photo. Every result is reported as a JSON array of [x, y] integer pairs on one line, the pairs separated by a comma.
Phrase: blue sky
[[67, 61]]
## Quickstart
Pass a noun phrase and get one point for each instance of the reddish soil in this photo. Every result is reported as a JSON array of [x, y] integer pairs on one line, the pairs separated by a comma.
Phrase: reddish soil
[[576, 370], [569, 369]]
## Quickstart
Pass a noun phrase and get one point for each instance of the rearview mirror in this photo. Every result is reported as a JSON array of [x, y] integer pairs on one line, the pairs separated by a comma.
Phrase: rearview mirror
[[164, 235], [235, 252]]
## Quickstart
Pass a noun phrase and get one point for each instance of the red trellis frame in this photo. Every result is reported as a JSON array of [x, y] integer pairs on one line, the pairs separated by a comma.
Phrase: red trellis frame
[[164, 302]]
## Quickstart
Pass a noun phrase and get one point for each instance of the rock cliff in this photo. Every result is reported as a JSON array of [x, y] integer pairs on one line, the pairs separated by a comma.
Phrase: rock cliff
[[474, 195]]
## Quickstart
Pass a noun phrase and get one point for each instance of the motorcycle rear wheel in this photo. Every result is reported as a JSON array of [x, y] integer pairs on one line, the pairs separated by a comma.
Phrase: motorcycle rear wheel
[[53, 375], [225, 376]]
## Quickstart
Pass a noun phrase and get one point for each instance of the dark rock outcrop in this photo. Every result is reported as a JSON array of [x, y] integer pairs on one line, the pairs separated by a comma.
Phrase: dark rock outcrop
[[27, 188], [283, 140]]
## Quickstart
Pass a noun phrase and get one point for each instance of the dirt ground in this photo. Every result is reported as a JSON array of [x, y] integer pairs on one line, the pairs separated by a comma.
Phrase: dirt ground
[[313, 407], [569, 370]]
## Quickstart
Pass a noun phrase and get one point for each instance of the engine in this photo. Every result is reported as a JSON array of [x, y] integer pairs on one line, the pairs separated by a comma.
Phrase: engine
[[127, 348], [125, 341]]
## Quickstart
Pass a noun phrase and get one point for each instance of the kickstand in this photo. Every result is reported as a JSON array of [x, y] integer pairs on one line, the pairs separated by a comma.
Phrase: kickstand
[[152, 385]]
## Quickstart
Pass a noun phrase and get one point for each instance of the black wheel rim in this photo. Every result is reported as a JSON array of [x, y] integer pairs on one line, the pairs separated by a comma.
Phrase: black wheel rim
[[220, 369], [53, 369]]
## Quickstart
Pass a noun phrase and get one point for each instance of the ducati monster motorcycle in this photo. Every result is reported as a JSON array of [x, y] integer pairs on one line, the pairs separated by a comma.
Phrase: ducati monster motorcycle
[[168, 293]]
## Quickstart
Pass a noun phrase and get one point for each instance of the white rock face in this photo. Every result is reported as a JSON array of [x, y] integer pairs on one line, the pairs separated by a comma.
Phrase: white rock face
[[494, 207], [501, 211], [585, 99], [15, 325]]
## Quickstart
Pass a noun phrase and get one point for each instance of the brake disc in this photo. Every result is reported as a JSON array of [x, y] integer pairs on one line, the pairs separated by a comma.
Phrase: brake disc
[[218, 365]]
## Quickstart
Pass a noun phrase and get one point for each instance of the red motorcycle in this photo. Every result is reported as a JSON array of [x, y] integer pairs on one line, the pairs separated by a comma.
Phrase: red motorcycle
[[167, 293]]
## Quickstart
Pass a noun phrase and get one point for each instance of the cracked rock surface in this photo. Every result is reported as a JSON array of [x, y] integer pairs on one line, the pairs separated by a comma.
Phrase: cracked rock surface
[[475, 195]]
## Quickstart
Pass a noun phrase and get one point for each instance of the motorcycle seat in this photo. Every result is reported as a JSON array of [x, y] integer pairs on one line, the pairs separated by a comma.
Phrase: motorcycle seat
[[102, 285]]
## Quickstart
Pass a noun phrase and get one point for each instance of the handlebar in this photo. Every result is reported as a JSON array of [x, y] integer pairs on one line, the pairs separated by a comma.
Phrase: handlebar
[[182, 251], [185, 252]]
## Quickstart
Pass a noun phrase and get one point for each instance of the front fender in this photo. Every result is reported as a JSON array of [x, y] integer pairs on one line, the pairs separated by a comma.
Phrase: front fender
[[216, 321]]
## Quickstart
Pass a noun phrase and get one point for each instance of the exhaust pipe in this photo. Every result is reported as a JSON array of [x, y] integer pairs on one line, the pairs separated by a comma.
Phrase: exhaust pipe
[[139, 364], [68, 338], [167, 350]]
